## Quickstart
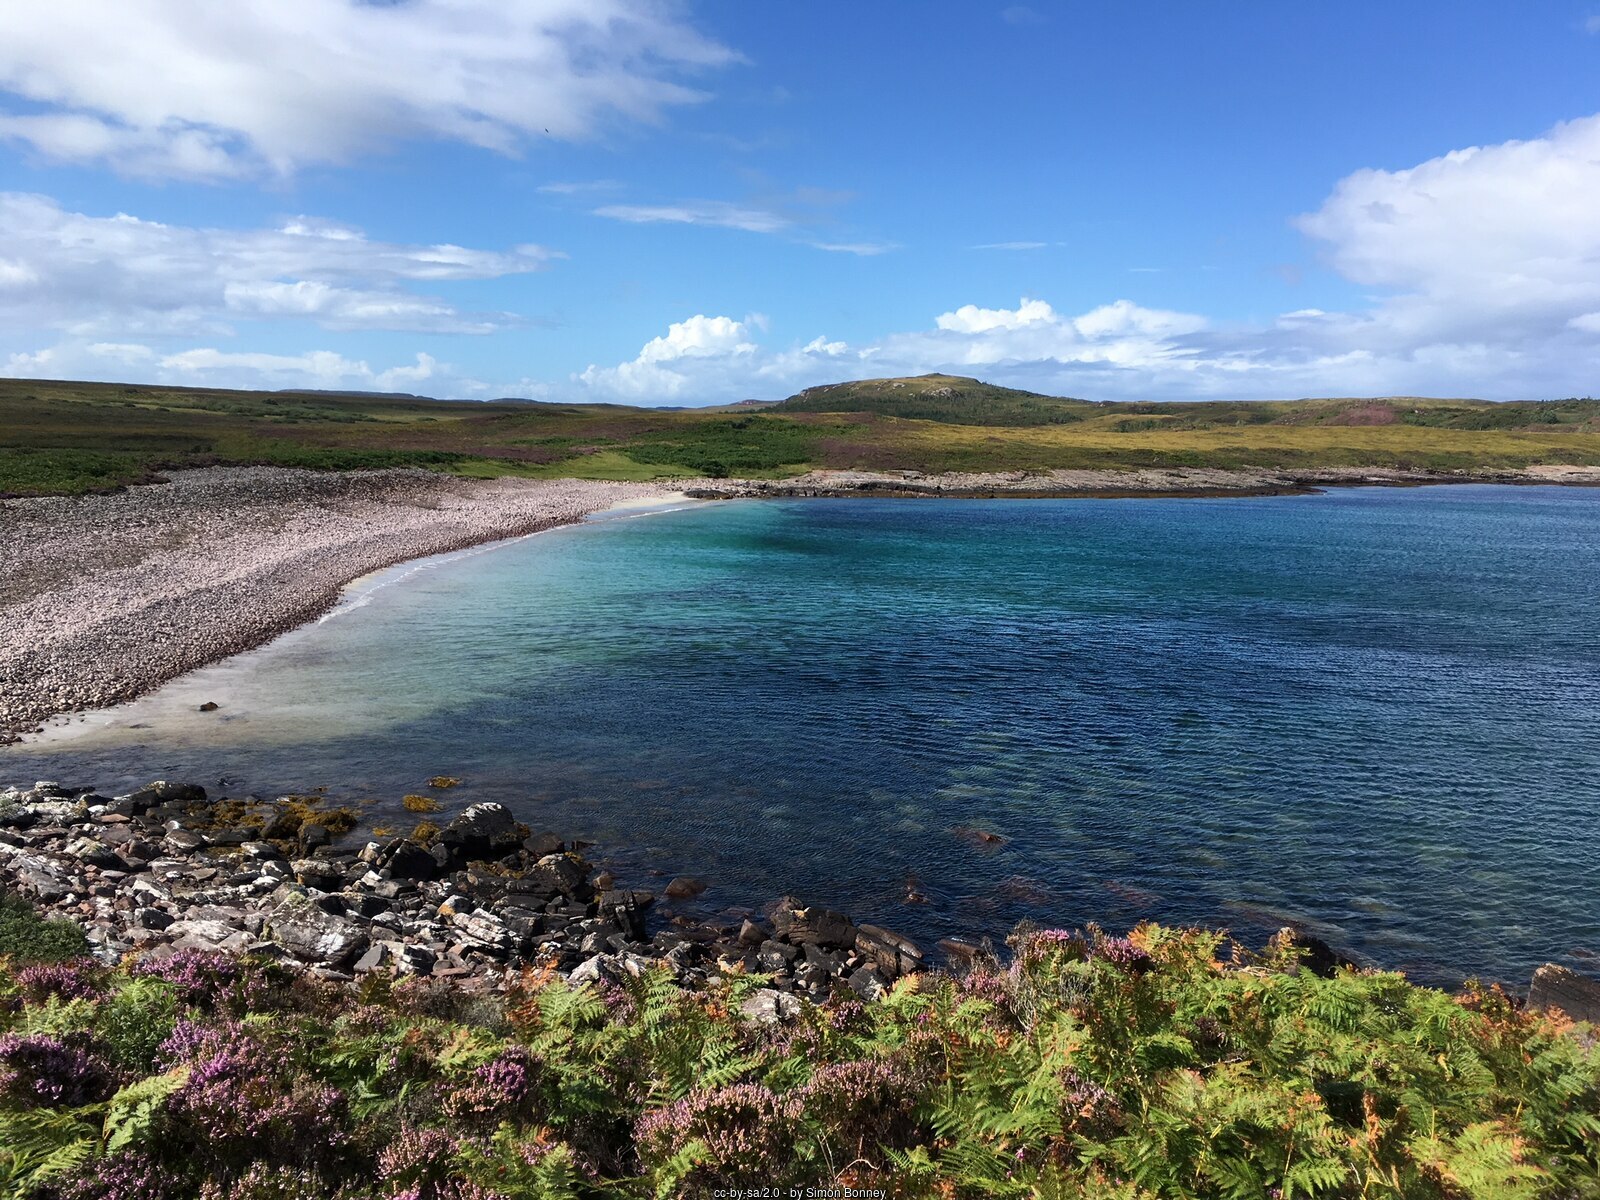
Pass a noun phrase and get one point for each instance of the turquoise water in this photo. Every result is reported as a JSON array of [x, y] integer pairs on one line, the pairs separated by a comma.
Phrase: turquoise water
[[1373, 712]]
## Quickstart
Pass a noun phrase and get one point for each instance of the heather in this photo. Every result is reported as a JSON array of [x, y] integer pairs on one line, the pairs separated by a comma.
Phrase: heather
[[1167, 1063]]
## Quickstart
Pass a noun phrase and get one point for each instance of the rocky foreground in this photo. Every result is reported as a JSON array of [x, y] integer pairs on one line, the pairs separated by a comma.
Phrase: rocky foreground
[[105, 597], [167, 869]]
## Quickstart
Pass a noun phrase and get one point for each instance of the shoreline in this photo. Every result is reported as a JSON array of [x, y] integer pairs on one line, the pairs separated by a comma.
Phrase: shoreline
[[104, 598], [1092, 484], [474, 903], [107, 597]]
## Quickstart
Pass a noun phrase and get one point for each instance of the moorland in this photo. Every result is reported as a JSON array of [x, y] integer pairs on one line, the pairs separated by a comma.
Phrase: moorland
[[70, 438]]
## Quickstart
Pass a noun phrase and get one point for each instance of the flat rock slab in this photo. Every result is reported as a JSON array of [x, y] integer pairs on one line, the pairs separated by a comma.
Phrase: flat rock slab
[[1556, 988]]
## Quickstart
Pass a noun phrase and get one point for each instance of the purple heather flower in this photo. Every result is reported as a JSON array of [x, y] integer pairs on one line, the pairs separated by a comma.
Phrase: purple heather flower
[[503, 1083], [74, 979], [45, 1069], [747, 1129], [417, 1156], [199, 975], [131, 1176]]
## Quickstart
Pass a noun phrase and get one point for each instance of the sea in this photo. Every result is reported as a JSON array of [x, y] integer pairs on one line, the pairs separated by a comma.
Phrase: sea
[[1373, 714]]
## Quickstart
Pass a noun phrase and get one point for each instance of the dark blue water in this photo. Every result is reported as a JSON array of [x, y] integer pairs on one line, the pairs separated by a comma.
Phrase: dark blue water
[[1373, 712]]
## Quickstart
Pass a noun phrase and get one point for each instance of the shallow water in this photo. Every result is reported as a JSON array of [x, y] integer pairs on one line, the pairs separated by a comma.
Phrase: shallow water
[[1372, 712]]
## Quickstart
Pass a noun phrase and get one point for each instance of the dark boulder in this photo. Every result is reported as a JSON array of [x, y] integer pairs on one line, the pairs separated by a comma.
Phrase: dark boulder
[[162, 792], [1556, 988], [561, 874], [482, 831], [541, 844], [684, 887], [1316, 955], [891, 953], [620, 908], [793, 922]]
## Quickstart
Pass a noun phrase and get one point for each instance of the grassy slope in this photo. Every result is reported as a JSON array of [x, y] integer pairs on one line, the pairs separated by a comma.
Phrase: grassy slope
[[75, 437]]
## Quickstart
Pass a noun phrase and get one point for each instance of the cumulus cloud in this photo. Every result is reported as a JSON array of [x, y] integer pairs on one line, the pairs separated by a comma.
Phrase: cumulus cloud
[[1490, 242], [665, 368], [166, 88], [111, 276], [712, 359]]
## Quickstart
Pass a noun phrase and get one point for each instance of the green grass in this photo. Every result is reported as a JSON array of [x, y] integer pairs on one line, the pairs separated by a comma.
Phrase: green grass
[[68, 438]]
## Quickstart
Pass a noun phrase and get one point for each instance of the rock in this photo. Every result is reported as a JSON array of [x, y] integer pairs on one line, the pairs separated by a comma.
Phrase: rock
[[183, 841], [684, 887], [768, 1006], [312, 935], [261, 851], [867, 983], [541, 844], [621, 908], [405, 859], [1316, 955], [210, 706], [563, 874], [1554, 988], [152, 918], [162, 792], [376, 955], [312, 836], [482, 831], [893, 954], [15, 816], [960, 952], [792, 922], [203, 934], [317, 873], [751, 934]]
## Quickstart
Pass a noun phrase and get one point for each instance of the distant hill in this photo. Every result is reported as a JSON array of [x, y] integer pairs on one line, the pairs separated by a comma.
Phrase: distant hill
[[959, 400], [952, 399]]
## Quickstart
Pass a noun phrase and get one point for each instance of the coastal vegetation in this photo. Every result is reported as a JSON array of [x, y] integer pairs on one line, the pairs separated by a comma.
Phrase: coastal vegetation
[[68, 438], [1166, 1063]]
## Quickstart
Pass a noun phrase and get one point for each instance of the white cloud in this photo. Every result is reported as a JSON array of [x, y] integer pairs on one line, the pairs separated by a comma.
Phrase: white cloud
[[1592, 24], [650, 378], [579, 187], [99, 276], [698, 212], [161, 87], [969, 318], [1494, 243], [1012, 246], [212, 367], [859, 249]]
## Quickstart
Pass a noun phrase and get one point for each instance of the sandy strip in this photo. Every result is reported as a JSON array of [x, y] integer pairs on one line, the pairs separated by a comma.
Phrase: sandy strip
[[105, 597]]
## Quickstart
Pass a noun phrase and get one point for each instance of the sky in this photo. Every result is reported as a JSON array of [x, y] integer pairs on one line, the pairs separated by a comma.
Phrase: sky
[[693, 203]]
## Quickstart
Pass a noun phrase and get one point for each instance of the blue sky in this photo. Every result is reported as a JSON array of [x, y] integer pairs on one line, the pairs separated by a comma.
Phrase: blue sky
[[694, 203]]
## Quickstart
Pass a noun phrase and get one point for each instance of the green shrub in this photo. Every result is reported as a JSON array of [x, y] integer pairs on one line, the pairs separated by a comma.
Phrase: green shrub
[[27, 937]]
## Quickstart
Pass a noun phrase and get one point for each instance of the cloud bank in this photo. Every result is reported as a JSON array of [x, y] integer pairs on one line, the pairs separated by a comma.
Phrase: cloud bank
[[174, 89], [109, 277]]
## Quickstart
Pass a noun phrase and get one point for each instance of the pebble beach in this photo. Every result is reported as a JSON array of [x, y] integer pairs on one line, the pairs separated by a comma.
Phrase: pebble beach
[[104, 597]]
